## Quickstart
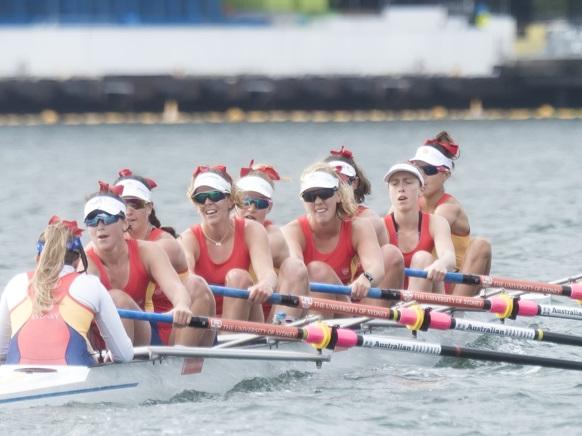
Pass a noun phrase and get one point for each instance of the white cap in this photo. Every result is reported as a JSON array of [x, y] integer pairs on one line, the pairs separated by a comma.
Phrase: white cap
[[432, 156], [135, 188], [214, 181], [105, 203], [255, 184], [318, 179], [345, 168], [403, 167]]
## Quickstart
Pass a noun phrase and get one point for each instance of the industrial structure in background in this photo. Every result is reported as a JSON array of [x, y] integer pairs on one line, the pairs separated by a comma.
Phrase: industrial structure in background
[[72, 56]]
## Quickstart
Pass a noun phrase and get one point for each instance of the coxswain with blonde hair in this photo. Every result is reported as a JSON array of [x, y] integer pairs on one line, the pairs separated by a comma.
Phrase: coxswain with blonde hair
[[45, 315], [256, 187], [326, 238], [223, 247]]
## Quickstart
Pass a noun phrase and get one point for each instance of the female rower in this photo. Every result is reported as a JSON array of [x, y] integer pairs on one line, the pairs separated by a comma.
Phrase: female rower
[[126, 267], [417, 233], [343, 161], [435, 160], [256, 187], [45, 315], [143, 224], [223, 247], [326, 239]]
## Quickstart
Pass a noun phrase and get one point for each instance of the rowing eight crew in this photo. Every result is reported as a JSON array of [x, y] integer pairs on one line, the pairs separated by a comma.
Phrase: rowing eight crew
[[144, 267]]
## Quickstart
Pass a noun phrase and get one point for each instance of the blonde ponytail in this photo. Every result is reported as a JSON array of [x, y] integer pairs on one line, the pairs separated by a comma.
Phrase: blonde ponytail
[[50, 263]]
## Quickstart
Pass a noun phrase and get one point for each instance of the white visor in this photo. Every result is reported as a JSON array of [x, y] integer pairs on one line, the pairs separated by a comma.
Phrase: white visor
[[212, 180], [135, 188], [255, 184], [318, 179], [403, 167], [432, 156], [105, 203], [346, 168]]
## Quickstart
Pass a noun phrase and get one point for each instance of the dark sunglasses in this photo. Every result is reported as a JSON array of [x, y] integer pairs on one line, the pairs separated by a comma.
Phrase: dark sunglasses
[[135, 203], [431, 170], [105, 218], [259, 203], [214, 196], [323, 193]]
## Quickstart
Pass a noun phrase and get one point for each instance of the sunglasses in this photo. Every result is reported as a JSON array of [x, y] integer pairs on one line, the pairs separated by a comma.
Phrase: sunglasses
[[431, 170], [259, 203], [105, 218], [135, 203], [323, 193], [214, 196]]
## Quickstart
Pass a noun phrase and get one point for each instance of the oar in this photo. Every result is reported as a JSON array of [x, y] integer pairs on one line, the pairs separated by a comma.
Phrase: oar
[[323, 336], [416, 318], [504, 306], [573, 290]]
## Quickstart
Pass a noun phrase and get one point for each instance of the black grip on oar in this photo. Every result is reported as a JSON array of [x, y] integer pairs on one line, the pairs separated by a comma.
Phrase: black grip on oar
[[559, 338], [199, 322], [390, 294], [498, 356]]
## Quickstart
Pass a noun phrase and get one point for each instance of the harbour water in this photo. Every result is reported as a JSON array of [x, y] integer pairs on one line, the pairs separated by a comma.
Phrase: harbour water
[[519, 181]]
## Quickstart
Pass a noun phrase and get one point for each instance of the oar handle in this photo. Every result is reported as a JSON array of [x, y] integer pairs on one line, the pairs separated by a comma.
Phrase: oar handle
[[449, 277], [327, 288], [275, 298]]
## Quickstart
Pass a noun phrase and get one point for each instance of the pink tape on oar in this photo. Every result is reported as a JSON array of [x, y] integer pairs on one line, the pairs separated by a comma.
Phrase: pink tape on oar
[[346, 338], [315, 334], [527, 308], [439, 320], [408, 317], [498, 305], [576, 291]]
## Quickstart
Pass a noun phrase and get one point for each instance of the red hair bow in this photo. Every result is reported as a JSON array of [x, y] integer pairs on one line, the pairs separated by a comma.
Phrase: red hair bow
[[343, 152], [106, 187], [71, 225], [267, 170], [126, 172], [451, 147], [205, 168]]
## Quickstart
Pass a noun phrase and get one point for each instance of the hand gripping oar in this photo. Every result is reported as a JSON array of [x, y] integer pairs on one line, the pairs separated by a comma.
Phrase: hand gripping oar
[[503, 305], [323, 336], [415, 318], [573, 290]]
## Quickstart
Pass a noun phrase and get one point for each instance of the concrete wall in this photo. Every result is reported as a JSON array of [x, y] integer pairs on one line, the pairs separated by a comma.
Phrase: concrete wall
[[399, 42]]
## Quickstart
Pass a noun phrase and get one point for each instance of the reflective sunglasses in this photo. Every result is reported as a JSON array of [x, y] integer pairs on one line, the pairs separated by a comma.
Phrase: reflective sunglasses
[[105, 218], [214, 196], [323, 193], [431, 170], [135, 203], [259, 203]]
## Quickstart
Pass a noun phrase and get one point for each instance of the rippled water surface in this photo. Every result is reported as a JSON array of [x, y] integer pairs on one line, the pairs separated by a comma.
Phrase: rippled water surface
[[520, 183]]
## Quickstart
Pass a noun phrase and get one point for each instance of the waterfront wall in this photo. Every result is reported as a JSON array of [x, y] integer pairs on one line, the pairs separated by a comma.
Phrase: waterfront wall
[[402, 41]]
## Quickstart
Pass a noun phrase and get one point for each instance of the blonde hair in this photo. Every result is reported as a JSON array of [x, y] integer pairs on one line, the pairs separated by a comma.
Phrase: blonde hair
[[50, 263], [347, 205]]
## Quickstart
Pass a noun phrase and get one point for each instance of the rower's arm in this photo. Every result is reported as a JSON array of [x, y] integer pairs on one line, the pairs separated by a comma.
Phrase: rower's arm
[[445, 250], [175, 253], [189, 245], [294, 238], [456, 217], [279, 248], [365, 242], [260, 252], [158, 264]]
